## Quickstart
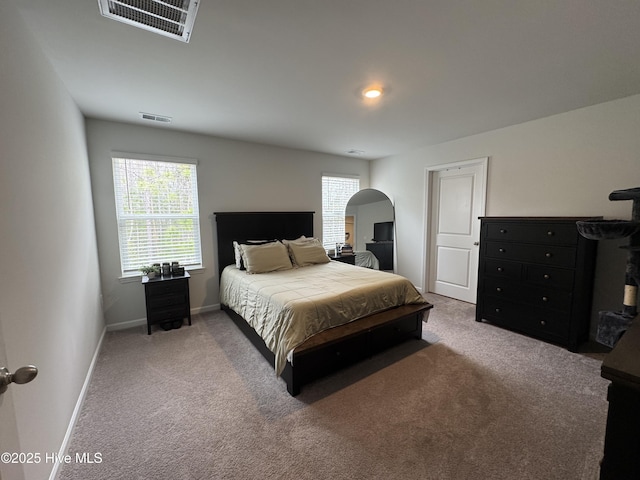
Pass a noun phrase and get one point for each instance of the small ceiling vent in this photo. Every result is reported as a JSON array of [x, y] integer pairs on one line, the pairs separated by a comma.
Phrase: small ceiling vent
[[155, 118], [172, 18]]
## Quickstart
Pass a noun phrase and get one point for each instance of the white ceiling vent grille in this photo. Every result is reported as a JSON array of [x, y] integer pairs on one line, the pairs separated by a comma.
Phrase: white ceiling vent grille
[[155, 118], [172, 18]]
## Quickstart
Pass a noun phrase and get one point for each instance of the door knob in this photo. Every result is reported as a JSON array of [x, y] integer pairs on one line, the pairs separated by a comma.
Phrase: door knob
[[22, 375]]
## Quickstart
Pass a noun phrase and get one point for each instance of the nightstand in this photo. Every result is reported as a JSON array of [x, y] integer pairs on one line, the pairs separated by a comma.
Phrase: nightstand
[[167, 300], [350, 259]]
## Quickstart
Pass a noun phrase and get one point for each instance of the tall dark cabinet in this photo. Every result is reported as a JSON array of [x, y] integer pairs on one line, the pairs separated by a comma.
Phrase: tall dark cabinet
[[383, 252], [535, 276]]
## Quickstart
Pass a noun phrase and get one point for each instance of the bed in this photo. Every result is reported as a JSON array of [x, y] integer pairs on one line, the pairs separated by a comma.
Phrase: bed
[[366, 259], [330, 342]]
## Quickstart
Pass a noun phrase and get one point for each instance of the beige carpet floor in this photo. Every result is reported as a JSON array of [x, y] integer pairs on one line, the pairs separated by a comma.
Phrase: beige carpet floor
[[469, 401]]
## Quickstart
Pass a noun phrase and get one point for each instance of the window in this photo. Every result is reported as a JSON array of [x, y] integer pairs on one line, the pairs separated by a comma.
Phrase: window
[[157, 212], [336, 192]]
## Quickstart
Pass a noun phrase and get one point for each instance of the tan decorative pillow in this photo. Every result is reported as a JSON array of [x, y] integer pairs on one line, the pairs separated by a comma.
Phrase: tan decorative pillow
[[308, 251], [269, 257], [237, 250]]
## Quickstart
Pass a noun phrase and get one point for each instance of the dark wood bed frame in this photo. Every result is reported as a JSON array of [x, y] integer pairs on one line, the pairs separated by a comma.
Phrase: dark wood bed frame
[[326, 351]]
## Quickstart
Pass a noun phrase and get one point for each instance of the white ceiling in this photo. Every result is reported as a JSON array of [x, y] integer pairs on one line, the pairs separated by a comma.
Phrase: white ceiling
[[289, 72]]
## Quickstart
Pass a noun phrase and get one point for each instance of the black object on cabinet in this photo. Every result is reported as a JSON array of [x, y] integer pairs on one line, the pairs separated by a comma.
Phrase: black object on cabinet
[[383, 252], [535, 276]]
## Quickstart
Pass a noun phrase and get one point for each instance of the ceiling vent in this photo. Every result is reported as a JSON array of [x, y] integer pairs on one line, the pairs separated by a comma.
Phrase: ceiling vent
[[172, 18], [155, 118]]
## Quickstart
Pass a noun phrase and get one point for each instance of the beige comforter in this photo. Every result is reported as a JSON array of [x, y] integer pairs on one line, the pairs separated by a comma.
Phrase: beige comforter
[[288, 307]]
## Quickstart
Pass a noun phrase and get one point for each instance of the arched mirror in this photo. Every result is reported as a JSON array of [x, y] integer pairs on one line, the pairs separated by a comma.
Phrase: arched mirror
[[369, 229]]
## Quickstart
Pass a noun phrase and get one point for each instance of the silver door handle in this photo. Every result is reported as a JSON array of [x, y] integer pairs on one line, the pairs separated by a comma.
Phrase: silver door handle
[[22, 375]]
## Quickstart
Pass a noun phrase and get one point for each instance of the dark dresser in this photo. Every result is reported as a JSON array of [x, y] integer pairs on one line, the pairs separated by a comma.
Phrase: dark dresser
[[167, 300], [622, 440], [535, 276], [383, 252]]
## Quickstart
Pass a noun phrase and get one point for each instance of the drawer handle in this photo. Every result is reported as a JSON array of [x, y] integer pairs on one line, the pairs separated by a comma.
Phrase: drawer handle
[[545, 299], [550, 233], [501, 250], [498, 289], [543, 323], [548, 254], [502, 230], [500, 269], [546, 276]]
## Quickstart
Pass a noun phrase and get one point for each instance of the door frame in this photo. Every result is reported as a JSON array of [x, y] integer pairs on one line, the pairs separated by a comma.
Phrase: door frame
[[429, 172]]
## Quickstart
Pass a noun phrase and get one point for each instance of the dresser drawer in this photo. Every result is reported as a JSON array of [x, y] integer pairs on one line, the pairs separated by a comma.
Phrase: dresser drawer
[[527, 295], [172, 313], [543, 254], [549, 233], [157, 289], [503, 269], [164, 301], [543, 323], [548, 298], [549, 276], [503, 288]]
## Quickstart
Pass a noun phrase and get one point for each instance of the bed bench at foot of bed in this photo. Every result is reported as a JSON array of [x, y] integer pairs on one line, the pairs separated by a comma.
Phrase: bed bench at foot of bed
[[341, 346]]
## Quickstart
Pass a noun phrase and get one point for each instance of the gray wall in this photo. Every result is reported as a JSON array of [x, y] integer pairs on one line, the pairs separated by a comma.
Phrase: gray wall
[[565, 165], [232, 176], [50, 312]]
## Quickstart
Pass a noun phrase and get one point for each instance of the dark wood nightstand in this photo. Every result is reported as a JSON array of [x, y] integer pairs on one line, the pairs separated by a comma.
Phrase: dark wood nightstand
[[167, 300], [350, 259]]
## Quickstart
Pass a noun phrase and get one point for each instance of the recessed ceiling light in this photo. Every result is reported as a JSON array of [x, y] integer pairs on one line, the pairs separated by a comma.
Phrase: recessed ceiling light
[[372, 92]]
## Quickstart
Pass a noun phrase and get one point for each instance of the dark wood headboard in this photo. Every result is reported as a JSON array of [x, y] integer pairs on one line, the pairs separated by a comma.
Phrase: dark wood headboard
[[243, 226]]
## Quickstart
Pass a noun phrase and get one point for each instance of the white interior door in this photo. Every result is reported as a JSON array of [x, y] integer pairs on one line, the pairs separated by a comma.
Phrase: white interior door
[[456, 200], [9, 441]]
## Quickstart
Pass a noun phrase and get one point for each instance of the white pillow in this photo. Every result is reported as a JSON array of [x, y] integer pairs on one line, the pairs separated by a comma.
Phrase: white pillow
[[237, 252], [269, 257]]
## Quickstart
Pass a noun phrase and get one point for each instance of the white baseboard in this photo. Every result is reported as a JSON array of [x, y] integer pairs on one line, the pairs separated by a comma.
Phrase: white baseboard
[[124, 325], [205, 309], [143, 321], [76, 411]]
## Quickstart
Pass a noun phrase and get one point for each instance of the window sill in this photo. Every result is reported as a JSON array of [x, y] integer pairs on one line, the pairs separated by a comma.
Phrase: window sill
[[133, 279]]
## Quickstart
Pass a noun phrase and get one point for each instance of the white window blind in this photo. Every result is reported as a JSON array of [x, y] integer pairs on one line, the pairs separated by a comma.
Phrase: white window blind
[[336, 192], [157, 213]]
